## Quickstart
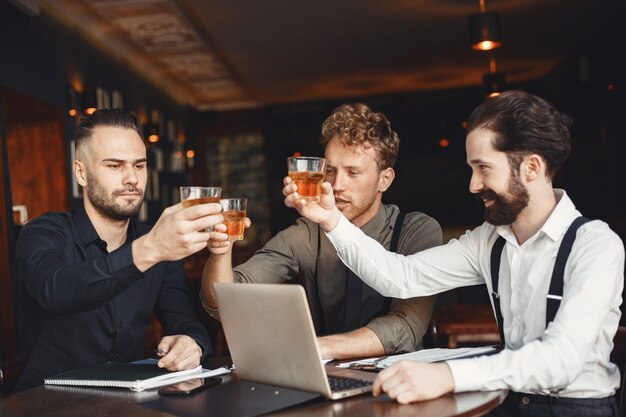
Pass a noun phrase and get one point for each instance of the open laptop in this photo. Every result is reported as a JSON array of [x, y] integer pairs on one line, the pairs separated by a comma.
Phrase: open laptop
[[271, 339]]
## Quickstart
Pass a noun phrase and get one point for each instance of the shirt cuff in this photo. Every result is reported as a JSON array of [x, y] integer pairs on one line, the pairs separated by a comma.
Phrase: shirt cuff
[[390, 335], [466, 374], [121, 263], [341, 235], [213, 312]]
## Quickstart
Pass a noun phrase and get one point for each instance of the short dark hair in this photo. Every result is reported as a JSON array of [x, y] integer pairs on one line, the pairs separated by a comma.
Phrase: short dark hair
[[525, 124], [358, 125], [103, 117]]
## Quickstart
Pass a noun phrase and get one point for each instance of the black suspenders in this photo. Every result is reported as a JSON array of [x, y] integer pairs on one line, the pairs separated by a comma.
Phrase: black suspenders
[[354, 285], [555, 293]]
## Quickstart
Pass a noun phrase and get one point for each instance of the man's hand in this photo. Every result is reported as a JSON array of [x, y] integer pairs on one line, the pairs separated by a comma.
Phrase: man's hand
[[178, 233], [324, 212], [218, 243], [410, 381], [179, 352]]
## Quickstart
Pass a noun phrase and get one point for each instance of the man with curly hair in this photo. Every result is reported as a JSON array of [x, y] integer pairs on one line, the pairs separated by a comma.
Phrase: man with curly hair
[[351, 319]]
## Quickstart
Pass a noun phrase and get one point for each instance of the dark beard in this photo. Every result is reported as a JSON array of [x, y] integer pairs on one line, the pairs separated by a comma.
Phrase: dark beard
[[97, 194], [505, 210]]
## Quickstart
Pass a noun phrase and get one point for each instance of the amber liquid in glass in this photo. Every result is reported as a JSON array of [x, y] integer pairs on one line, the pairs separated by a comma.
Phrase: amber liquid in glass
[[309, 184], [203, 200], [234, 221]]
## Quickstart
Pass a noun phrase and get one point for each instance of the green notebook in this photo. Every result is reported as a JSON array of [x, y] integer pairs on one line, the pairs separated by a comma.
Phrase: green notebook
[[137, 377]]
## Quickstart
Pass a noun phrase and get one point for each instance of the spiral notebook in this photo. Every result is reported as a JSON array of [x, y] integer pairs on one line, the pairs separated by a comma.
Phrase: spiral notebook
[[134, 376]]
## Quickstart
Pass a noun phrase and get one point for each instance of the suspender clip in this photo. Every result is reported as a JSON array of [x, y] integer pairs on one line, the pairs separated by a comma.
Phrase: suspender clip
[[495, 294], [554, 297]]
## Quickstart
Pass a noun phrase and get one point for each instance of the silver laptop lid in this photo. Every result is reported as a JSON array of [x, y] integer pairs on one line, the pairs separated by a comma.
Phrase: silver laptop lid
[[270, 335]]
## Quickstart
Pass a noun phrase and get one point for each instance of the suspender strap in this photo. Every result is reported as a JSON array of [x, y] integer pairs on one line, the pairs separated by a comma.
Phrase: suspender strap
[[395, 237], [555, 294], [354, 285], [496, 256]]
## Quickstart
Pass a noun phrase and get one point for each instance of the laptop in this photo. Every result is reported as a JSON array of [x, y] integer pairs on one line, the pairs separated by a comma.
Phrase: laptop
[[271, 339]]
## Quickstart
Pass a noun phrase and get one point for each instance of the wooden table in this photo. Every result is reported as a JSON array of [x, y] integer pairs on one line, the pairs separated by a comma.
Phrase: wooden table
[[66, 401]]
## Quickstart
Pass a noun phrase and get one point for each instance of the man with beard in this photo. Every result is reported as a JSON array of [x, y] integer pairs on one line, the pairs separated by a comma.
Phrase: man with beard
[[351, 319], [89, 280], [556, 356]]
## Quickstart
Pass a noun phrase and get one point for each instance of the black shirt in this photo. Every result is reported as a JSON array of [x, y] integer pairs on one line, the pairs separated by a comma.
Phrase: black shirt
[[79, 305]]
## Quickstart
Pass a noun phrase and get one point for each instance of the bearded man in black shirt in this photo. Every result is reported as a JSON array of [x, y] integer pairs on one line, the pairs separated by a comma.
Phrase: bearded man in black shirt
[[89, 279]]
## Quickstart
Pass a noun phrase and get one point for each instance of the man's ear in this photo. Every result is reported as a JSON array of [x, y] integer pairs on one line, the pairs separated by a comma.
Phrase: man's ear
[[79, 173], [385, 179], [533, 167]]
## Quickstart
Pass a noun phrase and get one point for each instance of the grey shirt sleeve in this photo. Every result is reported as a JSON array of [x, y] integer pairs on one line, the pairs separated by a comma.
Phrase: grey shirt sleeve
[[402, 329]]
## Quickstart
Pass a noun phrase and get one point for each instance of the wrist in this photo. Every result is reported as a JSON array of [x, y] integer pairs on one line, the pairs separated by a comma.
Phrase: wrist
[[329, 224], [144, 254]]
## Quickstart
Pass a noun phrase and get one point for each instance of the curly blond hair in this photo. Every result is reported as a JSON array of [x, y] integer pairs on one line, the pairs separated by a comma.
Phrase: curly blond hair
[[357, 124]]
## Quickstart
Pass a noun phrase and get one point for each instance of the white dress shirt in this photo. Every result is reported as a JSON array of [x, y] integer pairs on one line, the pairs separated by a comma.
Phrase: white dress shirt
[[571, 357]]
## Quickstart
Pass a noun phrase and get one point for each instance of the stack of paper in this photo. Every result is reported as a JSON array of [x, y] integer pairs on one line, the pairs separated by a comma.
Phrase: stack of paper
[[424, 355]]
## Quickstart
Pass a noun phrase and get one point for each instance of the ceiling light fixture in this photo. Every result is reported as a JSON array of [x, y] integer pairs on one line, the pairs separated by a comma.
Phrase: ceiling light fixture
[[484, 29], [72, 102], [90, 100], [494, 81]]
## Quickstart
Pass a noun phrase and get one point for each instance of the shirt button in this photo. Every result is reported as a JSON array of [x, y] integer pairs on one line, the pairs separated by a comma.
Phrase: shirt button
[[525, 400]]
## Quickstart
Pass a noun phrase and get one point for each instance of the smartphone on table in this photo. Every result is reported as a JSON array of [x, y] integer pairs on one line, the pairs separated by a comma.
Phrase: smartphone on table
[[190, 386]]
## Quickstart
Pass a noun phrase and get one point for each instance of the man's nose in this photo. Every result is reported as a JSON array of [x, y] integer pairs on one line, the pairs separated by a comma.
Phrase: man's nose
[[476, 184], [130, 176], [338, 181]]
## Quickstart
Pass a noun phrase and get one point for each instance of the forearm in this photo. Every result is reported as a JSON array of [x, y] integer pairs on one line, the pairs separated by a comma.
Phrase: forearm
[[394, 275], [219, 268], [66, 289], [360, 343]]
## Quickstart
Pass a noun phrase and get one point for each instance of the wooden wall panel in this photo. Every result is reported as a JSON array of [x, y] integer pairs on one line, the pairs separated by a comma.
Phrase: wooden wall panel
[[9, 361], [37, 165]]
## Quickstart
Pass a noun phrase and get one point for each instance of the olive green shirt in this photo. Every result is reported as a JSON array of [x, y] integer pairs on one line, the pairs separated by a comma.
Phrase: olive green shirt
[[292, 255]]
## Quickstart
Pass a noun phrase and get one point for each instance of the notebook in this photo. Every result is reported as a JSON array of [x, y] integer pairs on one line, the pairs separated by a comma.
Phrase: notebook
[[134, 376], [271, 339]]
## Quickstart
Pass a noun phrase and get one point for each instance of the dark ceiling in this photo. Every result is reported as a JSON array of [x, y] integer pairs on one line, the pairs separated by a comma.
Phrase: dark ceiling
[[221, 54]]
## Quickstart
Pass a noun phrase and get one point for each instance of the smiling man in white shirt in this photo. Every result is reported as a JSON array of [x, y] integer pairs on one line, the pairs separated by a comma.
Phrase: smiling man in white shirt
[[556, 357]]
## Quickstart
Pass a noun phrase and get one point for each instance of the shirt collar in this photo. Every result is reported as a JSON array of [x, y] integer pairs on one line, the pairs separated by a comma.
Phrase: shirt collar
[[84, 228], [557, 223], [561, 217], [376, 223], [88, 234]]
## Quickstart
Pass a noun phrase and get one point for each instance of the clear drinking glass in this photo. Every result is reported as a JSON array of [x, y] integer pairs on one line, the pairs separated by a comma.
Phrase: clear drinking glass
[[307, 173], [234, 213], [191, 196]]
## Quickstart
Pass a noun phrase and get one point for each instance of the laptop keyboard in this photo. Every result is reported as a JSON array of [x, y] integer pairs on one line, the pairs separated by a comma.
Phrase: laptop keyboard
[[342, 384]]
